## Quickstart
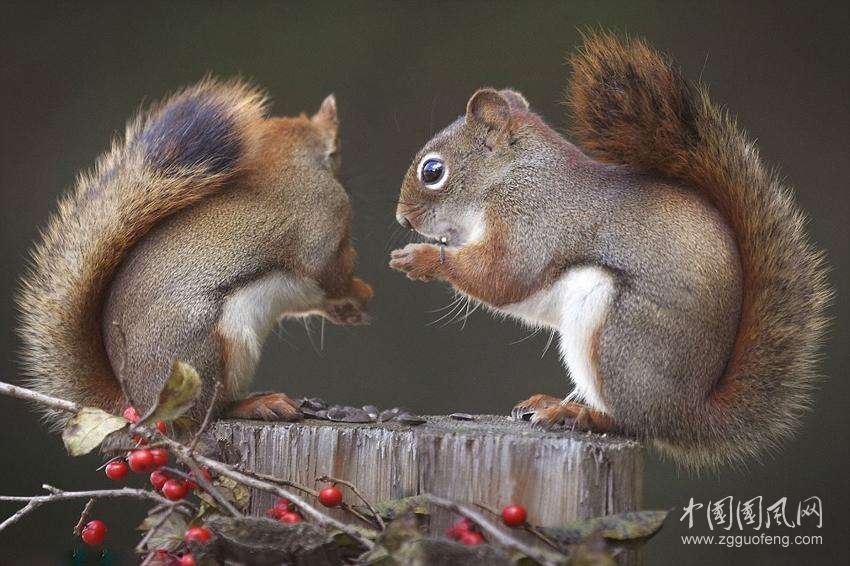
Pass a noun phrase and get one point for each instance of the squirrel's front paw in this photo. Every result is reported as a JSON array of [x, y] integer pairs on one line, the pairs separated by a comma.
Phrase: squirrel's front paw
[[266, 407], [347, 311], [419, 261]]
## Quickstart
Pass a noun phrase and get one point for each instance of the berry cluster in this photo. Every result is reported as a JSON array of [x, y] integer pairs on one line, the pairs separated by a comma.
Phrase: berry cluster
[[143, 460], [284, 511], [466, 532]]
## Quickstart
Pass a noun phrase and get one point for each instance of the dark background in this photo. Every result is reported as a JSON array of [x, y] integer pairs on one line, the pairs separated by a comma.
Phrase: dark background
[[71, 75]]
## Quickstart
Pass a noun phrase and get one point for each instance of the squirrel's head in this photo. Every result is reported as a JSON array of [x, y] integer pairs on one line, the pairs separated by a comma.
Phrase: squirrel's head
[[308, 141], [447, 185]]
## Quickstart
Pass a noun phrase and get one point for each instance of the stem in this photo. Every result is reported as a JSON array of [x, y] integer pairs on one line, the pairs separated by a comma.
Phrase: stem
[[527, 527], [83, 516], [30, 395], [207, 417], [360, 496], [505, 539]]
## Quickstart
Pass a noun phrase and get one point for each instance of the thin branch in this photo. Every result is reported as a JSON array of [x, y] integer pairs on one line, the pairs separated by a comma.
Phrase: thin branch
[[505, 539], [35, 501], [140, 548], [207, 417], [30, 395], [306, 508], [78, 529], [359, 495], [528, 527]]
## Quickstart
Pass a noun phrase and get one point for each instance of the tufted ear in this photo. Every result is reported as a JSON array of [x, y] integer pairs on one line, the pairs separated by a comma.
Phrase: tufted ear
[[515, 100], [328, 121], [488, 108]]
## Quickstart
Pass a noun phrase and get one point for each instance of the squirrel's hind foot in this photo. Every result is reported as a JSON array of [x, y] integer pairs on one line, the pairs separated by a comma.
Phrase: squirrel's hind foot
[[266, 407], [550, 413]]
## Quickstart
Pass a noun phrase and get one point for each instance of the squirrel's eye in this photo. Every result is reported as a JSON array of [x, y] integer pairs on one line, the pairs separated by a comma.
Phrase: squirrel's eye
[[433, 173]]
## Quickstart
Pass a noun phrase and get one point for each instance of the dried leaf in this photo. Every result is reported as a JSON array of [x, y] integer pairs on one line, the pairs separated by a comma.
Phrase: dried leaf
[[177, 394], [169, 535], [87, 429], [393, 508], [233, 491], [624, 527]]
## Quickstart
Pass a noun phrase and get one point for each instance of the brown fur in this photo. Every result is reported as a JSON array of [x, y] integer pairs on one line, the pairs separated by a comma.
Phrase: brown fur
[[632, 106], [708, 346], [119, 259]]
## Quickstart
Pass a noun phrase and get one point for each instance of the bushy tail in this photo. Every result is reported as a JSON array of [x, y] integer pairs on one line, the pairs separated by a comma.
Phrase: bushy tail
[[177, 153], [632, 106]]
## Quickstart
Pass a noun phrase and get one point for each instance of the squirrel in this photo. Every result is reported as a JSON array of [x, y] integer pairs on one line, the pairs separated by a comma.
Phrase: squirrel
[[675, 267], [189, 240]]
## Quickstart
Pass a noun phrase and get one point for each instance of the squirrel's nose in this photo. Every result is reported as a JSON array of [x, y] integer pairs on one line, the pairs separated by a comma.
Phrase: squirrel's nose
[[402, 219]]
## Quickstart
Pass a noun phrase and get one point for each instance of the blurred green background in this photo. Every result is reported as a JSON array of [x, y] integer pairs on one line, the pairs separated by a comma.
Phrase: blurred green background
[[71, 74]]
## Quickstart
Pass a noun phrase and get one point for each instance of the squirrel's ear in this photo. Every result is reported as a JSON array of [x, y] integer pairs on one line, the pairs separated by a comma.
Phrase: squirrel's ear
[[489, 108], [515, 100], [326, 115]]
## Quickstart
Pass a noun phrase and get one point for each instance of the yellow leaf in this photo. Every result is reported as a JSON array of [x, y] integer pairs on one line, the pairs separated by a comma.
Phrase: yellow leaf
[[177, 394], [87, 429]]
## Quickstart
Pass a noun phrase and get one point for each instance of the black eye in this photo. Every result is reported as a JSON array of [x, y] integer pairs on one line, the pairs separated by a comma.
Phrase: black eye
[[432, 171]]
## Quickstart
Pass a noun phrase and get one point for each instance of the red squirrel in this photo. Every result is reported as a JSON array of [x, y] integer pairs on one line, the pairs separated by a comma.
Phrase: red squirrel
[[688, 299], [189, 240]]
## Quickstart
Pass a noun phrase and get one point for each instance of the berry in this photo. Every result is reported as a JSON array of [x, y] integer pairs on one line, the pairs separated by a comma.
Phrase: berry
[[131, 415], [460, 528], [116, 469], [187, 560], [94, 532], [282, 503], [175, 489], [140, 461], [514, 515], [471, 538], [160, 426], [200, 534], [275, 512], [330, 496], [204, 472], [158, 479], [160, 457], [290, 517]]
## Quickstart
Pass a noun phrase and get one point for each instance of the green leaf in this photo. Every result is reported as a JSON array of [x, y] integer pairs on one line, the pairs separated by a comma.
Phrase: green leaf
[[169, 535], [87, 429], [177, 395], [624, 527]]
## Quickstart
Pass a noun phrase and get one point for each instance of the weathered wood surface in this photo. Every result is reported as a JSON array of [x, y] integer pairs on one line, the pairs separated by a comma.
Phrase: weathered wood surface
[[558, 476]]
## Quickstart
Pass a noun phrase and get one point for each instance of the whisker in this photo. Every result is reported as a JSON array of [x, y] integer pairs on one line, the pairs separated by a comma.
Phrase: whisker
[[549, 343], [535, 332]]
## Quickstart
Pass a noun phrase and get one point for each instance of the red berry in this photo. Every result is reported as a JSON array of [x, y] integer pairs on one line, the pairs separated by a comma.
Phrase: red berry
[[175, 489], [282, 503], [514, 515], [116, 469], [200, 534], [131, 415], [461, 527], [290, 517], [160, 456], [160, 426], [140, 460], [471, 538], [330, 496], [204, 472], [275, 512], [94, 532], [187, 560], [158, 479]]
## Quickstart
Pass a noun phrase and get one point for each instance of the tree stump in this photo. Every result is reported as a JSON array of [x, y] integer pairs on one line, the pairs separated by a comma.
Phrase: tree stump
[[558, 476]]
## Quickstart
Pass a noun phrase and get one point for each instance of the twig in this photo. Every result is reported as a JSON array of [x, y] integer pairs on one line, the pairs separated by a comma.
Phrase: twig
[[206, 423], [83, 516], [140, 548], [315, 493], [306, 508], [505, 539], [33, 502], [198, 477], [30, 395], [359, 495], [528, 527]]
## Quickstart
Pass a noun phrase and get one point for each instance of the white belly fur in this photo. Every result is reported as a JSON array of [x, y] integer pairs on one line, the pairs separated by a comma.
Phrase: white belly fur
[[249, 314], [575, 306]]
